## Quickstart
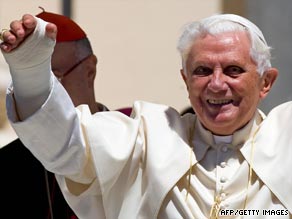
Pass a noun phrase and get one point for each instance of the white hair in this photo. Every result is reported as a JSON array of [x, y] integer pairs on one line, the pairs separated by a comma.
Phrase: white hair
[[216, 24]]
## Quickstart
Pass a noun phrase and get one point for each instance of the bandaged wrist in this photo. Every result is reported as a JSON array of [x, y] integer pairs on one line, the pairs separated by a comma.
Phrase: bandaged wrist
[[30, 68]]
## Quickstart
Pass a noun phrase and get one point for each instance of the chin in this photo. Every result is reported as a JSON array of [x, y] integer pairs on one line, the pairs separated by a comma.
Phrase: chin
[[222, 126]]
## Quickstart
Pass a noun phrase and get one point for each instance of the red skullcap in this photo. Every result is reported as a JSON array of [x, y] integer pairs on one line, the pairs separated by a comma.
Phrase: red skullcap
[[68, 30]]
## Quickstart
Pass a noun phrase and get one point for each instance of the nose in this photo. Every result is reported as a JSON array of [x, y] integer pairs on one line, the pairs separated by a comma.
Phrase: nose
[[217, 81]]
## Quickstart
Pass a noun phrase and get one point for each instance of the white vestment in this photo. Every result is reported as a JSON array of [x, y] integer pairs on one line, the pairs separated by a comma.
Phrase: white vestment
[[138, 166]]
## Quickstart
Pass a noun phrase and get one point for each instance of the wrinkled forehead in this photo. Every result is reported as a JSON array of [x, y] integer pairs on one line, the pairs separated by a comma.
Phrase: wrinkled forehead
[[227, 47]]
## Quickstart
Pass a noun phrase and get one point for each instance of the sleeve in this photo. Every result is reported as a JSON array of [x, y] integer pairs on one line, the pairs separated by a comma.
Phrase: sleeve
[[52, 133], [273, 152], [95, 157], [117, 155]]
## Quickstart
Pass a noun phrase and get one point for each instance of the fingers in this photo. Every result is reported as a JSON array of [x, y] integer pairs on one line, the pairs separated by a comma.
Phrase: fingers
[[8, 38], [20, 30]]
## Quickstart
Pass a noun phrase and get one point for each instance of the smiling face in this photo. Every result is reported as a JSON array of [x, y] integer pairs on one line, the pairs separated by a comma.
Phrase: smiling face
[[222, 81]]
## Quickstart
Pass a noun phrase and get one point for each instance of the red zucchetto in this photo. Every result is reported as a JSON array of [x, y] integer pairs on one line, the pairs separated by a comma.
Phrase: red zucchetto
[[68, 30]]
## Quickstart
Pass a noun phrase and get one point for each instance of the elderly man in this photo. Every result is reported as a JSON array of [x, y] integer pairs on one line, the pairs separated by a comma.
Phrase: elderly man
[[158, 164]]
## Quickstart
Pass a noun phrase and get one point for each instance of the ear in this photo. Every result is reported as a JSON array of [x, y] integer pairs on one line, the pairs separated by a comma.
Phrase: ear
[[91, 73], [268, 79], [184, 77]]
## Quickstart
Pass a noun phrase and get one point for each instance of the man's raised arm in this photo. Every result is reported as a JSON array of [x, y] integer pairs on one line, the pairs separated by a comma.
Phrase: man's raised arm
[[27, 48]]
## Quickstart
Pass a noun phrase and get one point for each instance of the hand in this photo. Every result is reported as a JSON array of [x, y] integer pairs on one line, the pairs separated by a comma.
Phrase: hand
[[20, 30]]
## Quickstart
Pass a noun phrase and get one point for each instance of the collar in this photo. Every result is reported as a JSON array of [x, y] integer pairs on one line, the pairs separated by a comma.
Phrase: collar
[[203, 139]]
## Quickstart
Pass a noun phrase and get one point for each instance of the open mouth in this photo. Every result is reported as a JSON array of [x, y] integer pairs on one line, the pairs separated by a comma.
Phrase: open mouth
[[219, 102]]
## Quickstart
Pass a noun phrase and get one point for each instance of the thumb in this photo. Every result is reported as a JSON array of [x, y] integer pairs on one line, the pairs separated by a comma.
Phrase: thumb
[[51, 31]]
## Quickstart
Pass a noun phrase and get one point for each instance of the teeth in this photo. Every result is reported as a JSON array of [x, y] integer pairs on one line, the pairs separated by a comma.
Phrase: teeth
[[219, 101]]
